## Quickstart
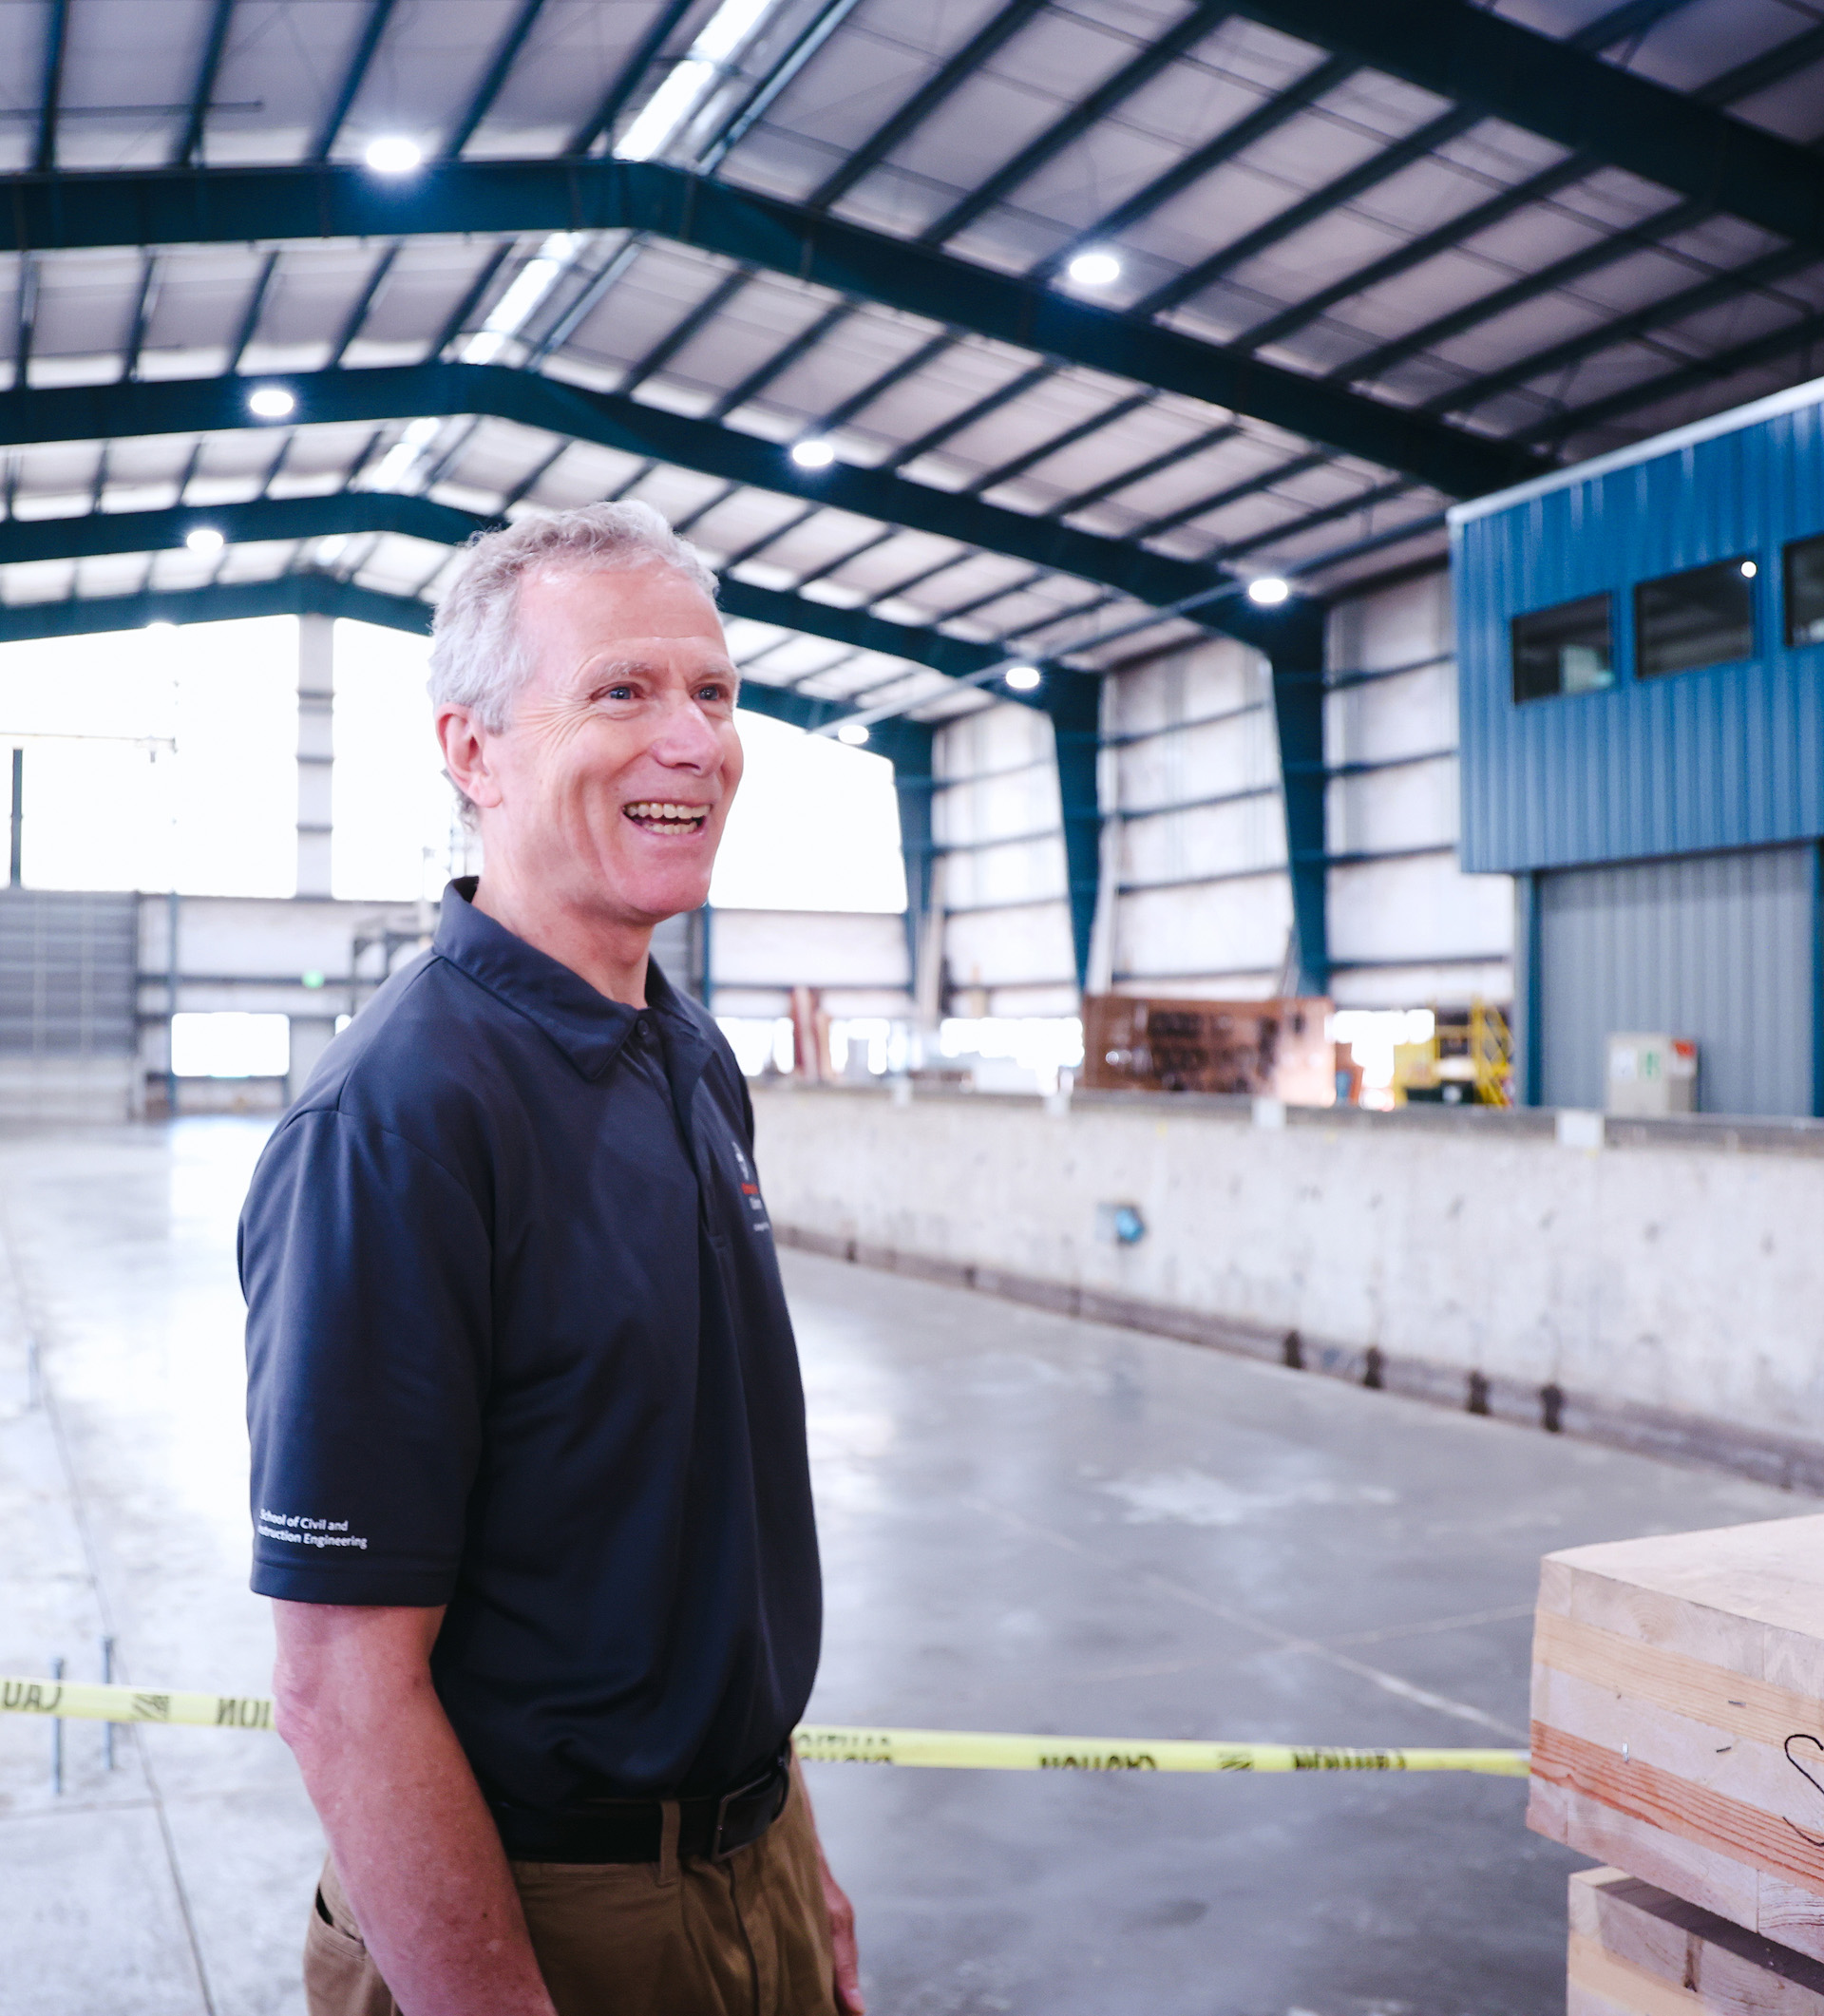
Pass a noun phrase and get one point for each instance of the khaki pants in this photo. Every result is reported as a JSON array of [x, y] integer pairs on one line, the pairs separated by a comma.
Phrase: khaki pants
[[747, 1936]]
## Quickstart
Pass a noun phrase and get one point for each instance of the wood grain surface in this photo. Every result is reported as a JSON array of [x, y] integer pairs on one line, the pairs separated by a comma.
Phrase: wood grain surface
[[1678, 1727], [1638, 1951]]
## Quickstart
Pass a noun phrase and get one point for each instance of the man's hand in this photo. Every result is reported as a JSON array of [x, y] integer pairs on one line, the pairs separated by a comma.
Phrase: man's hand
[[413, 1842], [841, 1920], [842, 1939]]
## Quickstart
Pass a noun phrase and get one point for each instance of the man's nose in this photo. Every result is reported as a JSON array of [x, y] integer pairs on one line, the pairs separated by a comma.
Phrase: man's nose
[[686, 738]]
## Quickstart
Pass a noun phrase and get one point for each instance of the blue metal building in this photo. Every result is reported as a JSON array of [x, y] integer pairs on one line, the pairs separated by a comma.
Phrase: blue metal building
[[1640, 651]]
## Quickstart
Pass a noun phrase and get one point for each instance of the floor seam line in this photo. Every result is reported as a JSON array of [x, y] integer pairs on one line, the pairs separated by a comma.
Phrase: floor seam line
[[78, 1513]]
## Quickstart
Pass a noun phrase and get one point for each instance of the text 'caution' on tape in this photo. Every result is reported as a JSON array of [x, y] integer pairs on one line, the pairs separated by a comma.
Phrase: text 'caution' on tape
[[939, 1749]]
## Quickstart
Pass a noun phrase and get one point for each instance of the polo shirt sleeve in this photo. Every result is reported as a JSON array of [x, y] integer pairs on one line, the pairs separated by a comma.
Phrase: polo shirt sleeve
[[366, 1267]]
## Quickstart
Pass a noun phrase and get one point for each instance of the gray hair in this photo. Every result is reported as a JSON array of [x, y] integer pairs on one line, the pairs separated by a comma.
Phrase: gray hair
[[478, 659]]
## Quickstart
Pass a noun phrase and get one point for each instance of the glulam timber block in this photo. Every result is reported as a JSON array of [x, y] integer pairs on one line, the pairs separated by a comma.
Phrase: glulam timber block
[[1678, 1718], [1638, 1951]]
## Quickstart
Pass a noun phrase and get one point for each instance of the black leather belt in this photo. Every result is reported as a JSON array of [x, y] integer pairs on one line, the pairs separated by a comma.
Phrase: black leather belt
[[710, 1826]]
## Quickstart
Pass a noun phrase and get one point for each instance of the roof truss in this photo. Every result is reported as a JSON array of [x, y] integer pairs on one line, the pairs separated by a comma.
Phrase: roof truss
[[262, 205]]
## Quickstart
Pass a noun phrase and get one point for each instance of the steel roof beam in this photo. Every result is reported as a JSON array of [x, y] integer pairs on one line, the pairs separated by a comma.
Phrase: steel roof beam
[[238, 206], [489, 88], [1730, 285], [290, 595], [1202, 22], [43, 157], [372, 30], [760, 100], [993, 33], [1789, 57], [356, 513], [1631, 20], [1487, 62], [633, 75], [1783, 61], [215, 41], [203, 406], [1700, 371]]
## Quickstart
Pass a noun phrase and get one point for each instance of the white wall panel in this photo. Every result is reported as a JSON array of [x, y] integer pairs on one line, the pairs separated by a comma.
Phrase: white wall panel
[[1212, 840], [1412, 806], [1222, 928], [1010, 949], [1417, 911], [1409, 928], [1020, 871], [812, 949]]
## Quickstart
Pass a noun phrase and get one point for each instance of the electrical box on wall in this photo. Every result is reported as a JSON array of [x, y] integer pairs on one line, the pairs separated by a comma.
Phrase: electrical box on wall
[[1650, 1076]]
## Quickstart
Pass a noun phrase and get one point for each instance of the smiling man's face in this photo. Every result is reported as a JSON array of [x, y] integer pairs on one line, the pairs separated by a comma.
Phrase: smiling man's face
[[619, 763]]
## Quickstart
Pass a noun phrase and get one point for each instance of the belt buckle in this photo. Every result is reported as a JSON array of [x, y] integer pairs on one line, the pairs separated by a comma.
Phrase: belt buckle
[[717, 1853], [753, 1787]]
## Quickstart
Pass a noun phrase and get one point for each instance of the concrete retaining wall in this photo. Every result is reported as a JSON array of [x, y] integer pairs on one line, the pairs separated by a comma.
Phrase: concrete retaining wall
[[1662, 1290]]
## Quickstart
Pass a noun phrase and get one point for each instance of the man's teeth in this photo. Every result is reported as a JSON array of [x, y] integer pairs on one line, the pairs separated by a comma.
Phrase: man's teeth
[[660, 815]]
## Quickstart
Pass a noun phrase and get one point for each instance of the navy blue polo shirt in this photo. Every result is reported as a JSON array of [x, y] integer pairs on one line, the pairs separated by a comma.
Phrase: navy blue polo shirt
[[516, 1344]]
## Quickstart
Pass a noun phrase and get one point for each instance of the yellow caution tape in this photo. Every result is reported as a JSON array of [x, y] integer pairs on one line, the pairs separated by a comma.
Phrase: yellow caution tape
[[957, 1750], [82, 1701], [940, 1749]]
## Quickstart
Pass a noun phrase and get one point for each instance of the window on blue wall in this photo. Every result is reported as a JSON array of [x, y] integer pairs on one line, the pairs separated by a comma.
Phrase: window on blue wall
[[1702, 617], [1563, 650], [1805, 592]]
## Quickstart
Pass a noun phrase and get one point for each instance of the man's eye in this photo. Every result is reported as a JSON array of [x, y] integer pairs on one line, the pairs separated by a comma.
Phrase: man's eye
[[618, 692]]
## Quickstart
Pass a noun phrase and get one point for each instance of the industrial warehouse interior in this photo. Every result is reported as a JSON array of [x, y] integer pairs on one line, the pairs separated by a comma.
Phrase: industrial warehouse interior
[[1272, 935]]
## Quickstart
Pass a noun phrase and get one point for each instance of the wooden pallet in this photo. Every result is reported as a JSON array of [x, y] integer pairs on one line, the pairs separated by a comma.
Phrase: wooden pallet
[[1678, 1718], [1636, 1950]]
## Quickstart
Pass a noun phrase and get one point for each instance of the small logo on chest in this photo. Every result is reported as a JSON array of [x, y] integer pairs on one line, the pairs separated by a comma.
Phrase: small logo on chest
[[757, 1217]]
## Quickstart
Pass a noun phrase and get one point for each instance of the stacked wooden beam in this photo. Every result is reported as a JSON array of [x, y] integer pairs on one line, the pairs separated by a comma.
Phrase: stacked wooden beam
[[1678, 1734], [1638, 1951]]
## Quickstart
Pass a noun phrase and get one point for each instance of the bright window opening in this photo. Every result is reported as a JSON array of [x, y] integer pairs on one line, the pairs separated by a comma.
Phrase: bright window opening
[[231, 1044]]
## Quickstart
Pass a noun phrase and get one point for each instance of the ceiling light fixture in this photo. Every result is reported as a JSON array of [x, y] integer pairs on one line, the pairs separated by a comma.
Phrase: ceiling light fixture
[[392, 154], [688, 82], [853, 732], [1268, 592], [1094, 269], [270, 401], [1024, 679], [205, 540], [813, 454]]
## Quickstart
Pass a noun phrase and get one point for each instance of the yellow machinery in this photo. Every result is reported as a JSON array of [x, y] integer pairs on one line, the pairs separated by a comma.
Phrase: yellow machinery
[[1468, 1061]]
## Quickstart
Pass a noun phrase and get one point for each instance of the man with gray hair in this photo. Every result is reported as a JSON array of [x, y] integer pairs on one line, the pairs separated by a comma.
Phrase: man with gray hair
[[529, 1481]]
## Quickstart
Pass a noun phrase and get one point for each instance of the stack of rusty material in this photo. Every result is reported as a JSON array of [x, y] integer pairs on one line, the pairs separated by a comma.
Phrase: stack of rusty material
[[1277, 1049], [1678, 1735]]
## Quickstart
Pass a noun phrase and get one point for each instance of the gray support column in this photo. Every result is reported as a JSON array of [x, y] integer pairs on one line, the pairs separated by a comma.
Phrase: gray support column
[[316, 751]]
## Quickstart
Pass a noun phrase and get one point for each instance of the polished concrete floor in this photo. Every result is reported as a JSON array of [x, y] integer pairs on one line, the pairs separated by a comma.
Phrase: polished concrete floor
[[1029, 1523]]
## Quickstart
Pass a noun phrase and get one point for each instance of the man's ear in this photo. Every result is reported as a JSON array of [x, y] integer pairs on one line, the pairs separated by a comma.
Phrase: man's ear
[[465, 744]]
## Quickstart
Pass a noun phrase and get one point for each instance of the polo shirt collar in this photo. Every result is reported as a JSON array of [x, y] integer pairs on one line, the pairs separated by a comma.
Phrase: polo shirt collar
[[585, 1025]]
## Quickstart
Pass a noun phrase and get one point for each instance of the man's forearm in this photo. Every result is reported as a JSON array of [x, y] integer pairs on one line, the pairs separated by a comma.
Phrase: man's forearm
[[415, 1848]]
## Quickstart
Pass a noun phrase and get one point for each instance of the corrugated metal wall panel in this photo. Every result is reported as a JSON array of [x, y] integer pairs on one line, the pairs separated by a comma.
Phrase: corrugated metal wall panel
[[1716, 946], [68, 972], [1729, 755]]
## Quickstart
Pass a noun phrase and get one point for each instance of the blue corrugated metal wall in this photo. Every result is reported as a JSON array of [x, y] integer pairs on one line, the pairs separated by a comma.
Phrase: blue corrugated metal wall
[[1715, 946], [1727, 756]]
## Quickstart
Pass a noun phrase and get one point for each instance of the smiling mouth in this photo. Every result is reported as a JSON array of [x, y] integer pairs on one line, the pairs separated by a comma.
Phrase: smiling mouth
[[661, 815]]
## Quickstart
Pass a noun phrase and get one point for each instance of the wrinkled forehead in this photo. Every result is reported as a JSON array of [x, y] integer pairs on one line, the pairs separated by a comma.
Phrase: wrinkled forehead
[[571, 619]]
